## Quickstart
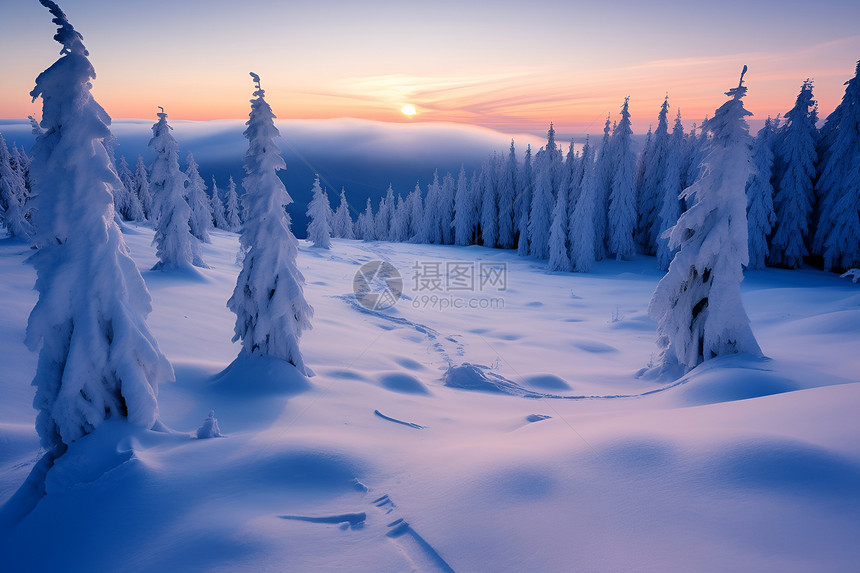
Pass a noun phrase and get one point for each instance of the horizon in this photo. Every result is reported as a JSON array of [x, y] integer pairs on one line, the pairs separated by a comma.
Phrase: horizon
[[517, 72]]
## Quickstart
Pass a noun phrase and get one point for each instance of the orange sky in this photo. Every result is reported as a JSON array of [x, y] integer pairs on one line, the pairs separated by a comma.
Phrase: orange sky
[[489, 64]]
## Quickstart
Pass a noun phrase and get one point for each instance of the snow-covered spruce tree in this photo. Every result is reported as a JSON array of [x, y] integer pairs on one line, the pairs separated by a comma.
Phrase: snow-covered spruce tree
[[12, 196], [200, 221], [558, 257], [622, 196], [269, 302], [319, 227], [650, 197], [670, 193], [547, 171], [366, 223], [582, 223], [794, 172], [231, 209], [837, 237], [464, 211], [489, 203], [522, 205], [97, 359], [415, 205], [132, 210], [176, 247], [760, 214], [400, 221], [141, 187], [342, 223], [432, 233], [507, 199], [219, 219], [697, 305], [446, 219], [382, 219], [603, 171]]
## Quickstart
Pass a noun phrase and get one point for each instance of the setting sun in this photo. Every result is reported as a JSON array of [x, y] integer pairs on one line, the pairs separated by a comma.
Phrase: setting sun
[[408, 110]]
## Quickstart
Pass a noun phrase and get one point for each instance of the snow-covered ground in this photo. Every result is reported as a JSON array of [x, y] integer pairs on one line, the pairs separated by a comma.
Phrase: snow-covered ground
[[540, 450]]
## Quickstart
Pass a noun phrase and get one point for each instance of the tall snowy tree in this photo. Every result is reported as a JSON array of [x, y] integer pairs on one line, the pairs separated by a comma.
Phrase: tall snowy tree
[[176, 247], [432, 233], [141, 187], [382, 220], [218, 217], [12, 196], [522, 205], [558, 257], [366, 225], [415, 203], [489, 203], [342, 223], [794, 166], [231, 210], [760, 213], [400, 221], [97, 358], [582, 222], [201, 210], [131, 209], [446, 218], [837, 237], [669, 193], [650, 198], [547, 171], [697, 305], [507, 200], [319, 226], [465, 211], [269, 301], [603, 171], [622, 196]]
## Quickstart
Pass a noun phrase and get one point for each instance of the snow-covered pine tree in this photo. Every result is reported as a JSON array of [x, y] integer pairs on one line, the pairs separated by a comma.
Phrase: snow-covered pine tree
[[382, 220], [558, 257], [201, 209], [141, 188], [507, 199], [121, 194], [489, 203], [432, 233], [367, 227], [219, 219], [176, 247], [522, 205], [837, 237], [582, 223], [464, 211], [269, 301], [415, 205], [622, 196], [97, 358], [400, 221], [760, 213], [603, 171], [12, 195], [132, 209], [342, 223], [670, 193], [547, 170], [319, 228], [697, 305], [650, 196], [446, 218], [794, 172], [231, 209]]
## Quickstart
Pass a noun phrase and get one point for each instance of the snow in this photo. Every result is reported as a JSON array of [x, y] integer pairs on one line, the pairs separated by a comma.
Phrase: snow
[[375, 464]]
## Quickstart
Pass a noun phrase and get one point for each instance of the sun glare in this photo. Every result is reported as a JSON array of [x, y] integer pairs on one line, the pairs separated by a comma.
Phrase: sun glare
[[408, 110]]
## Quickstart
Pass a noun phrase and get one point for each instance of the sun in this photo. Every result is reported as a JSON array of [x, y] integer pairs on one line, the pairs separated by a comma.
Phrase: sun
[[408, 110]]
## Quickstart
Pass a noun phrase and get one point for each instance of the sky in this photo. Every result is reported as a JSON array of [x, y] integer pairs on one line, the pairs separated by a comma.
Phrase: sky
[[507, 65]]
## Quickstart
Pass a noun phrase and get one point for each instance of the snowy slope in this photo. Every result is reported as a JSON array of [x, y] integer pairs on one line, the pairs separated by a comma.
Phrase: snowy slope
[[553, 457]]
